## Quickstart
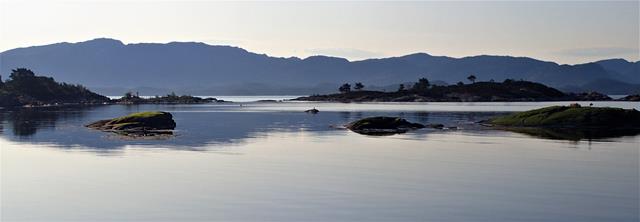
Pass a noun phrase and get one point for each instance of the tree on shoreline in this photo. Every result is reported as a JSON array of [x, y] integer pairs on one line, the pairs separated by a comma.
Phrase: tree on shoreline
[[358, 86], [421, 85], [401, 88], [345, 88], [472, 78]]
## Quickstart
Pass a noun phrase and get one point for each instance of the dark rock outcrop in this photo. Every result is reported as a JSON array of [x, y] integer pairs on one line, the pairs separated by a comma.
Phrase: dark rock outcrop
[[571, 122], [312, 111], [572, 117], [382, 125], [142, 123]]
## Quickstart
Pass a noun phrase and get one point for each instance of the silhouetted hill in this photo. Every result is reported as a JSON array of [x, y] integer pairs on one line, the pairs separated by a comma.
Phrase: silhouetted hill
[[25, 88], [190, 67]]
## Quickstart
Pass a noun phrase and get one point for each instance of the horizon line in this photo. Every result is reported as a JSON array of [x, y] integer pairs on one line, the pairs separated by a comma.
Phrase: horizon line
[[316, 55]]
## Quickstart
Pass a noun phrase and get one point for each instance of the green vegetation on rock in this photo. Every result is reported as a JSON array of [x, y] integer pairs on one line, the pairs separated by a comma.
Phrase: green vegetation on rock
[[142, 122], [572, 116]]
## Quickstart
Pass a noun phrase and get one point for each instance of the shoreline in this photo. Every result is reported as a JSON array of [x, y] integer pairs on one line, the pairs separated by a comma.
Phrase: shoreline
[[294, 101]]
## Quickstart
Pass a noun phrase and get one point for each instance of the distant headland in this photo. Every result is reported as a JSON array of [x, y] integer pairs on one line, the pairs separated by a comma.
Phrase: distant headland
[[25, 88], [491, 91]]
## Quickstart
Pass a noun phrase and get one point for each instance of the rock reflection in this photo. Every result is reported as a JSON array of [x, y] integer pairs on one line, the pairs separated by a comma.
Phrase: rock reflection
[[574, 134]]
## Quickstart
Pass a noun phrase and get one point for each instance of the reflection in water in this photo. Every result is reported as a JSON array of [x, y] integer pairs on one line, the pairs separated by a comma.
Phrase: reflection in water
[[201, 125], [25, 122], [1, 122], [574, 134], [197, 126], [422, 117], [287, 165]]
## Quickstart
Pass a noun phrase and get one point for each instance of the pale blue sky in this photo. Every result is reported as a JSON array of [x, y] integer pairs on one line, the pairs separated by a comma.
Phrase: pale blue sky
[[565, 32]]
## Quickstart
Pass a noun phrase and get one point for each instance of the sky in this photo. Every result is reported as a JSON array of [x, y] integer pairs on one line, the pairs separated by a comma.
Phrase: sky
[[567, 32]]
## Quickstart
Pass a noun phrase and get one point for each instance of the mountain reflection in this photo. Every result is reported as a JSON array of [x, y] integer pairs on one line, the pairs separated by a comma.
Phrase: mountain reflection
[[201, 126]]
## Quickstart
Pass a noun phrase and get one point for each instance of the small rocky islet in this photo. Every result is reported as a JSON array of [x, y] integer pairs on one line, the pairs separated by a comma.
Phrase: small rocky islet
[[572, 116], [138, 124], [131, 99], [382, 125], [572, 122]]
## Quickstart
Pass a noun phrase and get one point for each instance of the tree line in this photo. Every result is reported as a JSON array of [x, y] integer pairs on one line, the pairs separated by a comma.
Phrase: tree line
[[421, 85]]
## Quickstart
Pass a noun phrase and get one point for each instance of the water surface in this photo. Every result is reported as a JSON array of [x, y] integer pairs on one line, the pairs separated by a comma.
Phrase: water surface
[[272, 162]]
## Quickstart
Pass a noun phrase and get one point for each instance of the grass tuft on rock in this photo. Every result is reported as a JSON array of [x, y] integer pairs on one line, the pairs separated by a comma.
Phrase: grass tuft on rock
[[136, 117]]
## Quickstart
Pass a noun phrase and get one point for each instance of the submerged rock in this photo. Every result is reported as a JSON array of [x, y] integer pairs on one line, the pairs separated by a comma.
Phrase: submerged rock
[[382, 125], [142, 123]]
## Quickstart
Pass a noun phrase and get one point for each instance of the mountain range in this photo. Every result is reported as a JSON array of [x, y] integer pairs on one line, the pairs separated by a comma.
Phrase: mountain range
[[110, 67]]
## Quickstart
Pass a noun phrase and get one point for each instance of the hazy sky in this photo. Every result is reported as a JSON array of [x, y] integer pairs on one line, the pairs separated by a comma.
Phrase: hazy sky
[[565, 32]]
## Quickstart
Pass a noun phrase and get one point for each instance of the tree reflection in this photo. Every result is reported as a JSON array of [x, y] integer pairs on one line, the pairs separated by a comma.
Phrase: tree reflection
[[25, 122]]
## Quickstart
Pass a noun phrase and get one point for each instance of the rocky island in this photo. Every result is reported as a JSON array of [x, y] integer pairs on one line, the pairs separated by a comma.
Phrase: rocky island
[[423, 91], [138, 124], [131, 99], [573, 116], [571, 122], [382, 125]]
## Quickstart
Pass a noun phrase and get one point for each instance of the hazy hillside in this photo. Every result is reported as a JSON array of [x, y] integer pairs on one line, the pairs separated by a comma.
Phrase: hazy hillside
[[111, 67], [622, 69], [608, 86]]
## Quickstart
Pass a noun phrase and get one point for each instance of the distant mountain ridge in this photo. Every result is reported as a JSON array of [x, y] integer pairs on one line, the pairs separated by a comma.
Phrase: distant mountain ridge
[[198, 68]]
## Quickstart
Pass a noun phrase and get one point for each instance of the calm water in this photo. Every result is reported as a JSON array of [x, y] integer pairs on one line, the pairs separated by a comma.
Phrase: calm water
[[242, 98], [272, 162]]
